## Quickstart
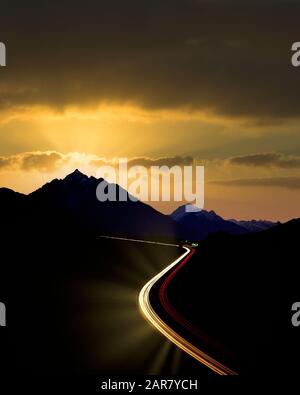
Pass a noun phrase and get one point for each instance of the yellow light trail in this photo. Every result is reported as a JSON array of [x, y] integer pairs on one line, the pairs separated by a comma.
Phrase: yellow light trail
[[162, 327]]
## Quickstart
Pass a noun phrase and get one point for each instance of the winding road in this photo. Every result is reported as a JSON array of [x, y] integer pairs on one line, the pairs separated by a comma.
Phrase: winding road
[[158, 323]]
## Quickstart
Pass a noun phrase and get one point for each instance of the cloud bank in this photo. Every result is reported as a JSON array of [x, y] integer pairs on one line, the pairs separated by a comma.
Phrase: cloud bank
[[268, 159], [229, 58], [50, 161], [281, 182]]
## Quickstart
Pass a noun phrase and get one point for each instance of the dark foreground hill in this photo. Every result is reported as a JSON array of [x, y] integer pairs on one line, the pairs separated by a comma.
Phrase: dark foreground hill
[[239, 291]]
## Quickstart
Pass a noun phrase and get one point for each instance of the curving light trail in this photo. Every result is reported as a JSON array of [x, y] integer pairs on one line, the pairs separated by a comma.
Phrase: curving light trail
[[149, 313]]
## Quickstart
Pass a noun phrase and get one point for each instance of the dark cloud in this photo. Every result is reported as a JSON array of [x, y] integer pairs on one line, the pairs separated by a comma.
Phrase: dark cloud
[[169, 161], [233, 59], [43, 161], [5, 162], [165, 161], [268, 159], [52, 160], [281, 182]]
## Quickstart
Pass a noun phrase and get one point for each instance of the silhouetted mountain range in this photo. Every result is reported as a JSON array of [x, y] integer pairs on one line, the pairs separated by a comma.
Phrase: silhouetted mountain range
[[255, 225], [70, 205], [197, 225]]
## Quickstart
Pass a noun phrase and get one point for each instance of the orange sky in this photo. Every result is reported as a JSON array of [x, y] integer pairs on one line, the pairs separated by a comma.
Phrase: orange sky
[[38, 145]]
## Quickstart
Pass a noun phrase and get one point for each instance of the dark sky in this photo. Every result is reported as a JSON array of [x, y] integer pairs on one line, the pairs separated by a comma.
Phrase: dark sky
[[232, 59]]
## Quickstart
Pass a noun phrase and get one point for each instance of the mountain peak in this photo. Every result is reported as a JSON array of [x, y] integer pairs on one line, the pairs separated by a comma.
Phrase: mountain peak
[[76, 175], [181, 212]]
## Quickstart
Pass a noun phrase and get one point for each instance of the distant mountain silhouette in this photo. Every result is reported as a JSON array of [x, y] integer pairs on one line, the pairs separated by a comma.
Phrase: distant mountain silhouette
[[255, 225], [197, 225]]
